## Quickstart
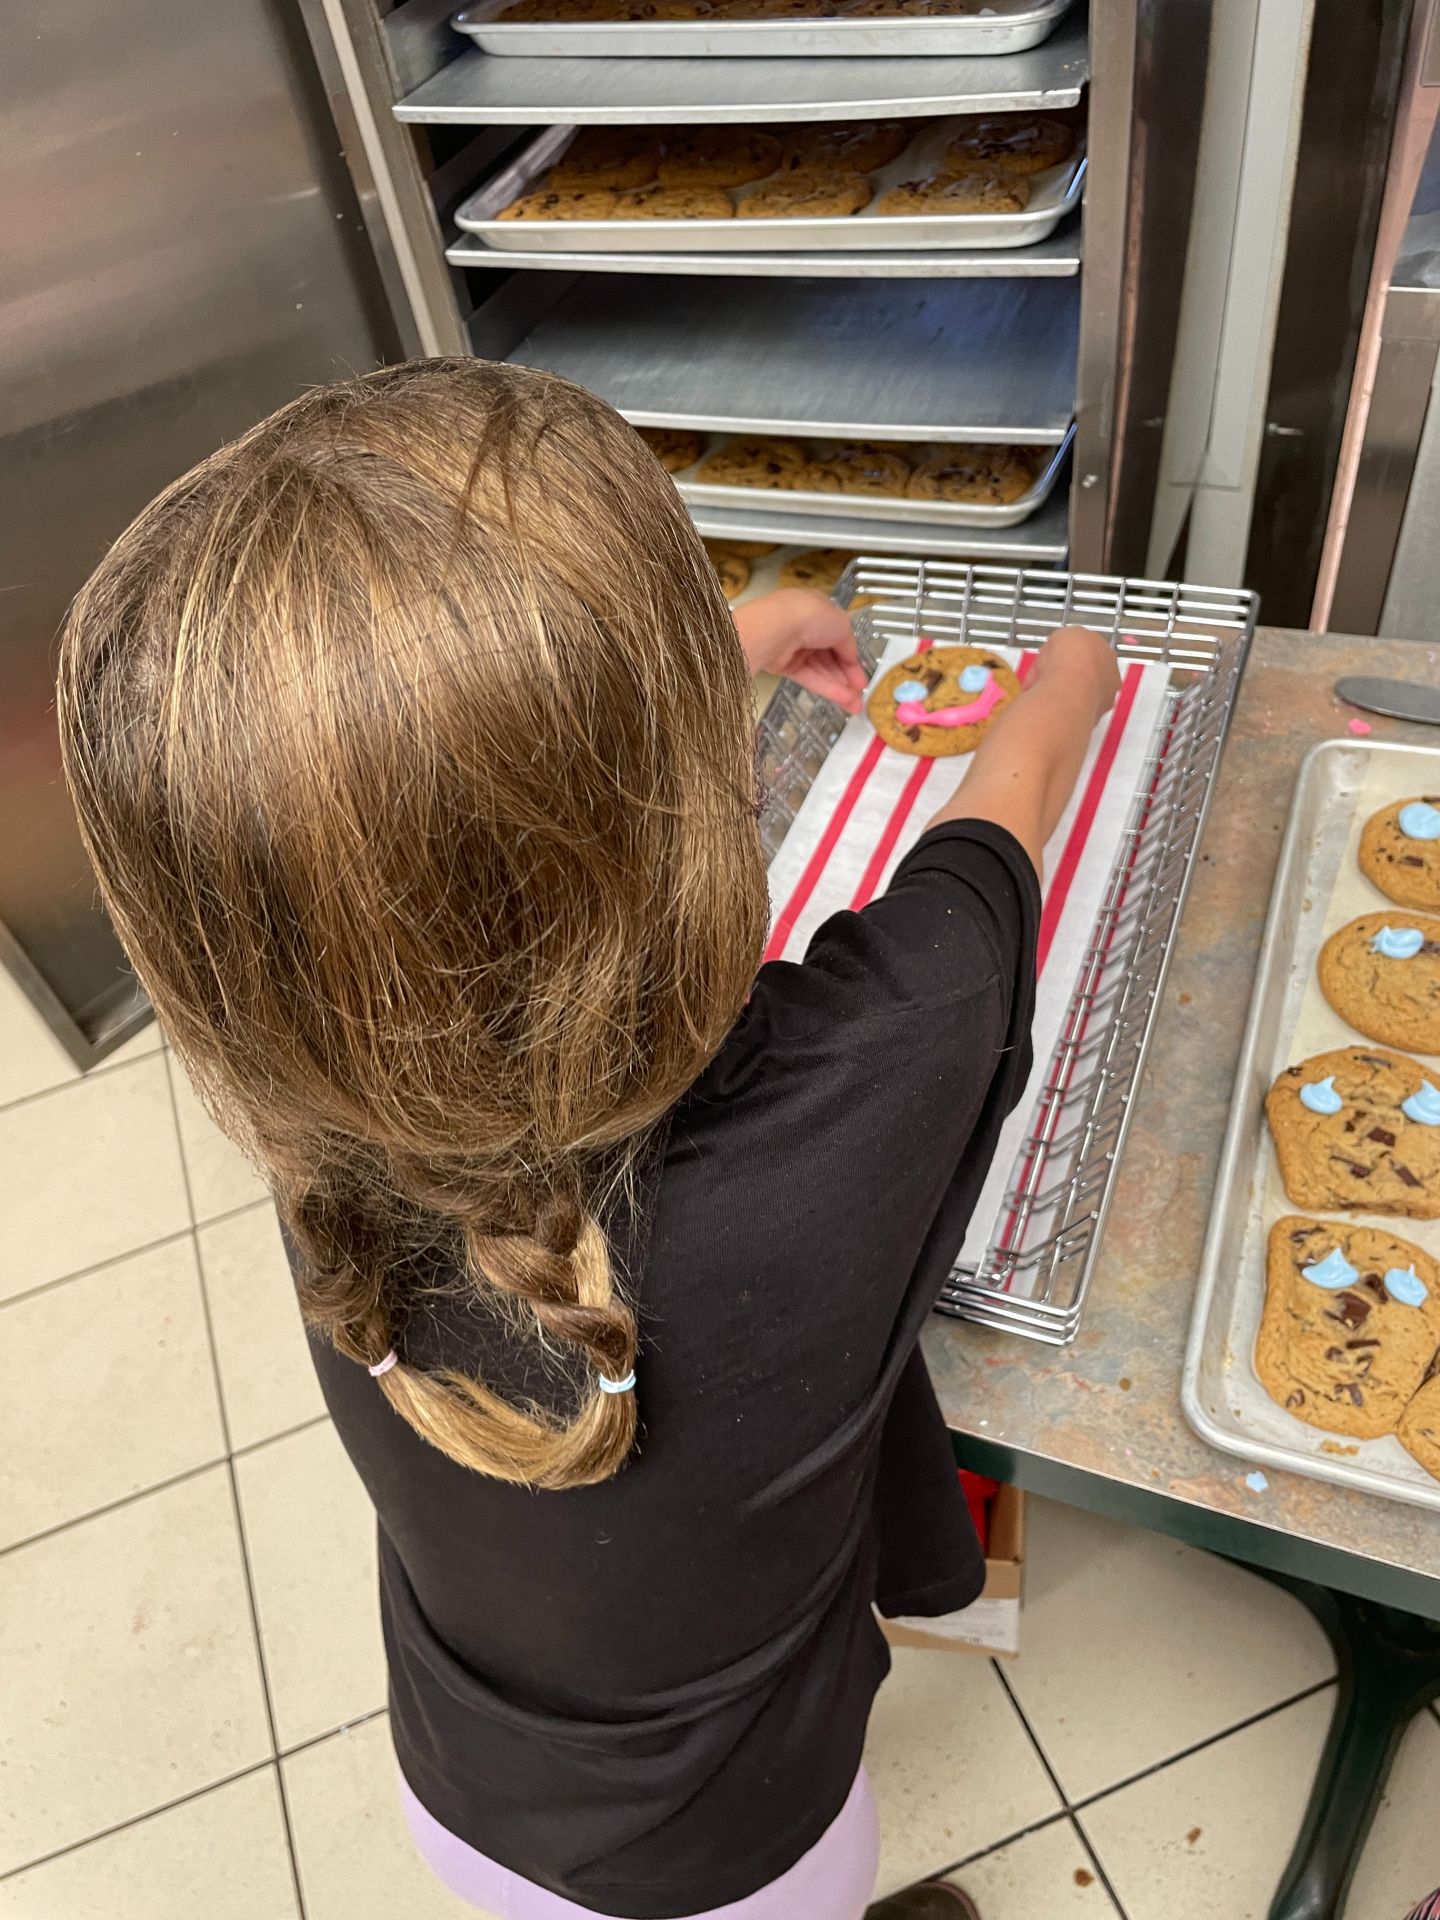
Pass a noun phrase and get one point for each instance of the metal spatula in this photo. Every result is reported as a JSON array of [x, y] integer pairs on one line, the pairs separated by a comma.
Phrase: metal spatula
[[1396, 699]]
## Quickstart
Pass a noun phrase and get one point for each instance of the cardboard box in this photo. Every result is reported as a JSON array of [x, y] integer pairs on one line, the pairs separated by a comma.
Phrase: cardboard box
[[990, 1624]]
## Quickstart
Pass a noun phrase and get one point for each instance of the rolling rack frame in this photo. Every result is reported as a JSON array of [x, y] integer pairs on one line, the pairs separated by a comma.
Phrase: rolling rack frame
[[1035, 1276]]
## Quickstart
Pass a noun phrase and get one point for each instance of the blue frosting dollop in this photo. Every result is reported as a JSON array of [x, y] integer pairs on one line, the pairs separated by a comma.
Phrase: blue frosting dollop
[[1332, 1273], [976, 679], [1423, 1105], [912, 690], [1420, 821], [1320, 1096], [1406, 1286], [1398, 943]]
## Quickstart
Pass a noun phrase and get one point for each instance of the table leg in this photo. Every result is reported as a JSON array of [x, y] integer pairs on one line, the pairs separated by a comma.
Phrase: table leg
[[1389, 1669]]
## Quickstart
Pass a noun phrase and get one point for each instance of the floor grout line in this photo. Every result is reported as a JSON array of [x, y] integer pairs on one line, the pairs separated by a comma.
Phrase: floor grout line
[[1099, 1865], [333, 1733], [162, 1486], [998, 1846], [82, 1079], [1031, 1735], [234, 1481], [130, 1253], [139, 1819], [1199, 1746]]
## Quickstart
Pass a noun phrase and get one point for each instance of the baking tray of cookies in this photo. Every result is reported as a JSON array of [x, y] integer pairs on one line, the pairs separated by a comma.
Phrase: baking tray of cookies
[[1041, 541], [1319, 889], [606, 28], [1028, 207], [941, 466]]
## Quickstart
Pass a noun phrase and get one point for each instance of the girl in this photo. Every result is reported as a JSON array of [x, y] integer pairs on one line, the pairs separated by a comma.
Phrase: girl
[[412, 745]]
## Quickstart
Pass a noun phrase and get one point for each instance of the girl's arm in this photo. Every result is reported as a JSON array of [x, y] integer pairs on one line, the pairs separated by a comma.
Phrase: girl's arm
[[806, 637], [1025, 769]]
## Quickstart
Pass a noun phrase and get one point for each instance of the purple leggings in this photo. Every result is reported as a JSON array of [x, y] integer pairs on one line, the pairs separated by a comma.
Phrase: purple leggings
[[833, 1881]]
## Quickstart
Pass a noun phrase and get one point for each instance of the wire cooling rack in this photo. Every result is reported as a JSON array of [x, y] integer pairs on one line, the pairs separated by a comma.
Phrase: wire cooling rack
[[1035, 1275]]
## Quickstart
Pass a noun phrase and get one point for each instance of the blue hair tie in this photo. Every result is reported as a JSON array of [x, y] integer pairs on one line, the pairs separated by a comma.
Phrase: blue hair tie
[[618, 1386]]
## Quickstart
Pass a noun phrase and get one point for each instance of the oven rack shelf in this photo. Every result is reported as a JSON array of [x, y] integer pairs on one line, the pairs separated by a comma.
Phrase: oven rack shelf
[[482, 90], [1042, 540], [923, 360]]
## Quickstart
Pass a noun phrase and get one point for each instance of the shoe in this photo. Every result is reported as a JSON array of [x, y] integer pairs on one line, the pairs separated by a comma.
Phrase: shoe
[[931, 1900]]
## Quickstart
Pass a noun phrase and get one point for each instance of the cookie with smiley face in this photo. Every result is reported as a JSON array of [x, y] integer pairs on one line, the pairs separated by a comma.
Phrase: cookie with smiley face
[[941, 701]]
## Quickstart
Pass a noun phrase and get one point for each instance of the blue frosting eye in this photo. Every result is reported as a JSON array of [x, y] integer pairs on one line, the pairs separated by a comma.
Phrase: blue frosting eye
[[1320, 1096], [912, 690], [1423, 1105], [1420, 821], [1398, 943], [1332, 1273], [1406, 1286], [975, 680]]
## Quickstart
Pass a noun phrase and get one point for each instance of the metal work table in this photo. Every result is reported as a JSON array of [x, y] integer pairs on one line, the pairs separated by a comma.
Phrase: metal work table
[[1099, 1423]]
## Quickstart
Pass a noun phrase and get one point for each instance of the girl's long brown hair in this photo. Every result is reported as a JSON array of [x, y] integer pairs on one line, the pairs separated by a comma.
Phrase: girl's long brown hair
[[411, 743]]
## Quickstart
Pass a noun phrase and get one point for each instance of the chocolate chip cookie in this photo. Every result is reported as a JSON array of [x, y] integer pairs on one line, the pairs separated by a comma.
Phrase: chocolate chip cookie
[[941, 701], [956, 193], [1350, 1326], [1358, 1129], [818, 568], [1381, 973], [858, 147], [617, 157], [859, 466], [1400, 851], [719, 157], [983, 475], [816, 195], [753, 463], [674, 447], [732, 567], [674, 203], [1419, 1428], [571, 203], [1011, 143]]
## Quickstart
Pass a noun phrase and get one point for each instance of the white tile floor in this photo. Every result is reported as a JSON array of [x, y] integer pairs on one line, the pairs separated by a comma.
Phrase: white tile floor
[[193, 1687]]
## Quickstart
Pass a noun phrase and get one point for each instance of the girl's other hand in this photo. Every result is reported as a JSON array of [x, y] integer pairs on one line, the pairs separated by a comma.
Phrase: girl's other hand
[[806, 637], [1085, 661]]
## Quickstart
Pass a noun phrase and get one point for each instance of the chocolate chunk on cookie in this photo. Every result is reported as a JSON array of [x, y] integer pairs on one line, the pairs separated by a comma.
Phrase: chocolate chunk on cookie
[[576, 203], [754, 463], [674, 203], [1014, 143], [857, 147], [956, 193], [1359, 1129], [1381, 973], [816, 195], [718, 157], [1400, 851], [1419, 1428], [1350, 1326], [859, 466], [674, 447], [986, 476]]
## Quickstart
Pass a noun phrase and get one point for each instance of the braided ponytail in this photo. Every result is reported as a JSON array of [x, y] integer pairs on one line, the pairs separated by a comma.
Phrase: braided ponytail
[[411, 743]]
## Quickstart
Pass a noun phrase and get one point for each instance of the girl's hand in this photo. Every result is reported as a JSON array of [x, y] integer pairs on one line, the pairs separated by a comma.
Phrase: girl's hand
[[1086, 662], [806, 637]]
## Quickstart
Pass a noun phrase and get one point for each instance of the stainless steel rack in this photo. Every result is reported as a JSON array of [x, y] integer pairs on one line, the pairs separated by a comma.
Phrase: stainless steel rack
[[1055, 258], [474, 90], [1036, 1274], [950, 360]]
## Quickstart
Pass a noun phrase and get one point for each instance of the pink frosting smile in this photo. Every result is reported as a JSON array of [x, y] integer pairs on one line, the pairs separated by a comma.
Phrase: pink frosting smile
[[913, 713]]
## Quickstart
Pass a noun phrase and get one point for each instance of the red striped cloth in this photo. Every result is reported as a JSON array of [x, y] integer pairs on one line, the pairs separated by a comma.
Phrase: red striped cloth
[[868, 806]]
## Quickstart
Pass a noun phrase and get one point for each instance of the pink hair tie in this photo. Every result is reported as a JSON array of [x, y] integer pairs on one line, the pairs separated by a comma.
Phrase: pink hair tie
[[392, 1359]]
